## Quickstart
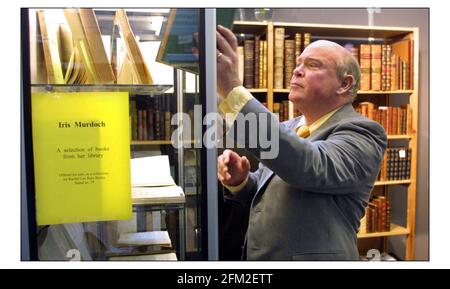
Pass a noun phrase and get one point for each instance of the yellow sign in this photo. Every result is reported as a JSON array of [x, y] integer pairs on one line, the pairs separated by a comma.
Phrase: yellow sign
[[81, 146]]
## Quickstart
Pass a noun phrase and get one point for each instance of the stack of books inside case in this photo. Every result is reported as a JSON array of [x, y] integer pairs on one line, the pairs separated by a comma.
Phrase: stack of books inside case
[[152, 184], [158, 239]]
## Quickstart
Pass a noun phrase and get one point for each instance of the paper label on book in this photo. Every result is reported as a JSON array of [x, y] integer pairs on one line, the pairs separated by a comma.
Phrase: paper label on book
[[402, 153], [81, 146]]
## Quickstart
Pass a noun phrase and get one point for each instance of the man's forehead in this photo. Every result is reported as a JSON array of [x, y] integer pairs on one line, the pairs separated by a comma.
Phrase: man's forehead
[[317, 53], [326, 45]]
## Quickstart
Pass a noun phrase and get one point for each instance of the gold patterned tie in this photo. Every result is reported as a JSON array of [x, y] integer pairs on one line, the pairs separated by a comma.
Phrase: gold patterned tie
[[303, 131]]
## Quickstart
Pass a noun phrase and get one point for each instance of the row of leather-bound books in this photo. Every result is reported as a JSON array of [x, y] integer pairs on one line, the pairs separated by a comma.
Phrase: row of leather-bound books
[[378, 215], [396, 164], [384, 67], [150, 118], [381, 69], [395, 120], [253, 57]]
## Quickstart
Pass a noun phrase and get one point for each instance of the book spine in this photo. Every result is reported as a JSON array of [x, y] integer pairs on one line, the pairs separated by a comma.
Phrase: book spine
[[265, 65], [388, 67], [306, 40], [151, 123], [383, 67], [256, 61], [289, 61], [298, 45], [279, 58], [261, 64], [365, 66], [248, 63], [375, 65]]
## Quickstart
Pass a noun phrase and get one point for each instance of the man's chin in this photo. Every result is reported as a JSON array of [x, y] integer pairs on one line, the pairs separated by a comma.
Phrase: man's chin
[[294, 96]]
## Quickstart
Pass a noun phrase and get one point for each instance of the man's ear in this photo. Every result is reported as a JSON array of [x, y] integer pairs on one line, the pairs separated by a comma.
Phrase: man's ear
[[346, 84]]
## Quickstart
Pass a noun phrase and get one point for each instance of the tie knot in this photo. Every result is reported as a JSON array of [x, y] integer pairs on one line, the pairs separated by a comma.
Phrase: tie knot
[[303, 131]]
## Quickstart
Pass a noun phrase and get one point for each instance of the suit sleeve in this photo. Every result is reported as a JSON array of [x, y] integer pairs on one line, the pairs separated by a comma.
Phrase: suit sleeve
[[348, 158]]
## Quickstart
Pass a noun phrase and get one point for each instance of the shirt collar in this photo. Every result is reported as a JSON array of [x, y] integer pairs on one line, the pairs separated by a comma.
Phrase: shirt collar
[[318, 123]]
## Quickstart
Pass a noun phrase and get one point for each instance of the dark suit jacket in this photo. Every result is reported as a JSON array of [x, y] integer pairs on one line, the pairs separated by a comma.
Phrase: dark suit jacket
[[306, 204]]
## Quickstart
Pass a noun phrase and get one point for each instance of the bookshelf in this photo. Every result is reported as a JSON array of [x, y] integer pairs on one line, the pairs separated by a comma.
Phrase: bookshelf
[[404, 43]]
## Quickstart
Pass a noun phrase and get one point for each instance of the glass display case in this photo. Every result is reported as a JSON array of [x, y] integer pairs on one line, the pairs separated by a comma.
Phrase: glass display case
[[100, 110]]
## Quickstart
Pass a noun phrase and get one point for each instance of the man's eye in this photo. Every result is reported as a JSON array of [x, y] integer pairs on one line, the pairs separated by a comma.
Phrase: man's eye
[[313, 64]]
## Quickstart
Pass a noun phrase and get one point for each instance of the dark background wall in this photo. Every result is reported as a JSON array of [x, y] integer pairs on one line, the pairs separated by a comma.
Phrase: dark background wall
[[414, 17]]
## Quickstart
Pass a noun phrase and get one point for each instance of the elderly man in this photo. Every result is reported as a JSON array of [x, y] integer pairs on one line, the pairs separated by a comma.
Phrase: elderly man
[[307, 202]]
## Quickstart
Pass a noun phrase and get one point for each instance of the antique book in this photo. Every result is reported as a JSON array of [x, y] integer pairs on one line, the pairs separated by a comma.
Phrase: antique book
[[152, 182], [306, 40], [133, 51], [93, 36], [145, 238], [85, 60], [157, 195], [261, 64], [256, 62], [151, 172], [365, 66], [375, 66], [148, 257], [289, 61], [279, 58], [298, 45], [65, 46], [50, 47], [249, 53], [265, 65]]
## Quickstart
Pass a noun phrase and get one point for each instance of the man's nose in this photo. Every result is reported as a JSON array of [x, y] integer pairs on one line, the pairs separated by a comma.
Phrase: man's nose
[[298, 71]]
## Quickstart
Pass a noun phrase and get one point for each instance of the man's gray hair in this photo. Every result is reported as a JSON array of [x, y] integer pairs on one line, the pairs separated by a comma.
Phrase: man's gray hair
[[349, 66]]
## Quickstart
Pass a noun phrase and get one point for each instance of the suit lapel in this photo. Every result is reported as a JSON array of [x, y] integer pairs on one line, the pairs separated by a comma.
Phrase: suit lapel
[[265, 176]]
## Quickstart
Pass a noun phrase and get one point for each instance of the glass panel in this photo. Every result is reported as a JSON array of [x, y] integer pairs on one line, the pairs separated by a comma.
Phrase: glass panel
[[191, 165], [83, 64]]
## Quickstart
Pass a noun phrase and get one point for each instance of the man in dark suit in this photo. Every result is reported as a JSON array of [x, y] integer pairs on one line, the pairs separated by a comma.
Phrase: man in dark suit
[[305, 203]]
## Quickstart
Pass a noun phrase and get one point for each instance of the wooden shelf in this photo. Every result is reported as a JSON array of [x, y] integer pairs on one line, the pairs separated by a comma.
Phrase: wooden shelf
[[249, 27], [391, 183], [399, 136], [396, 230], [256, 90], [385, 91], [344, 31], [281, 90], [361, 92]]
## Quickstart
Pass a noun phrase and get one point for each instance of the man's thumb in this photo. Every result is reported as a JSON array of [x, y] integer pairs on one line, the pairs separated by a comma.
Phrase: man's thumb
[[245, 163]]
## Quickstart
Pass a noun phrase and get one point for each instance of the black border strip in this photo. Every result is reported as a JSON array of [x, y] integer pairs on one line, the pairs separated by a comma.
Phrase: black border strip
[[28, 218]]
